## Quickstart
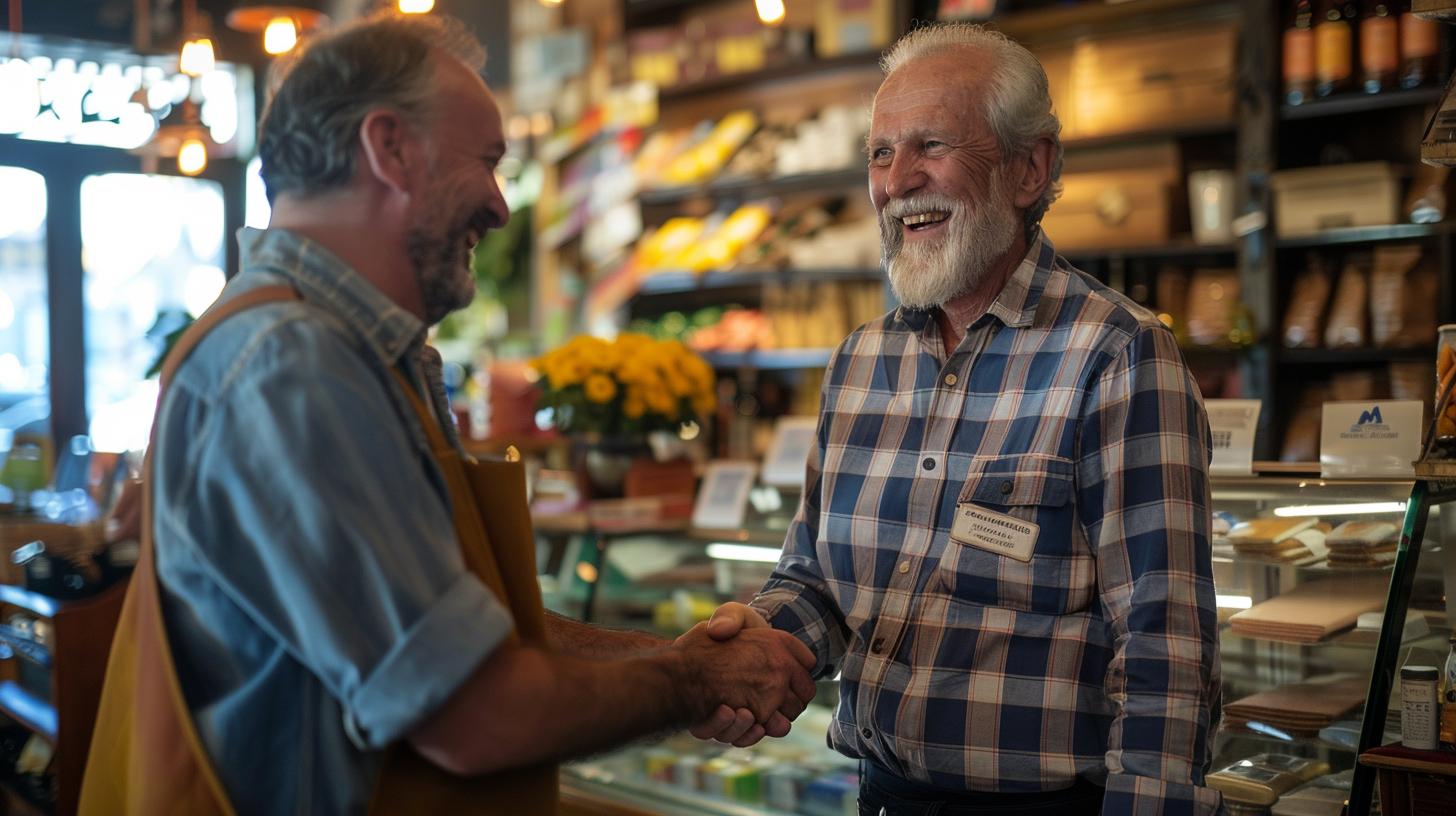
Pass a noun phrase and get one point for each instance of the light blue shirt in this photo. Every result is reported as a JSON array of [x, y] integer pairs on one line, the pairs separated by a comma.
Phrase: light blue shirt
[[315, 597]]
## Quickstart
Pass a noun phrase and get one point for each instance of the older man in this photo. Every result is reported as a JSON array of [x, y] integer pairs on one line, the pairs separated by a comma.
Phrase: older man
[[330, 615], [1004, 536]]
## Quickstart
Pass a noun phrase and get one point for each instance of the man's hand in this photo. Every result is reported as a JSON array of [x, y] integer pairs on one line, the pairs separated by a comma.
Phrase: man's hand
[[731, 726], [761, 674], [124, 522]]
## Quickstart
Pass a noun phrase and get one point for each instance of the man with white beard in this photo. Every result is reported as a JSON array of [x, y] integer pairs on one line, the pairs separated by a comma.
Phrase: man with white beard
[[1003, 543]]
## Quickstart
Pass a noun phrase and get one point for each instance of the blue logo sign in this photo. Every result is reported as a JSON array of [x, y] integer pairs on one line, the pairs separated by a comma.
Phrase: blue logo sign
[[1371, 417]]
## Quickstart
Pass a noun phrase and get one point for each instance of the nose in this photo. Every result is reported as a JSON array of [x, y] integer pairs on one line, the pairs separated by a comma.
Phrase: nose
[[905, 175], [500, 213]]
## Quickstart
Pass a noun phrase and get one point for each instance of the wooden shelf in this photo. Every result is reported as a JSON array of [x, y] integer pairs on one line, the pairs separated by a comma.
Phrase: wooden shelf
[[29, 710], [749, 188], [1367, 235], [1178, 249], [1338, 356], [866, 61], [1089, 18], [1361, 103], [771, 360], [673, 283], [1219, 128]]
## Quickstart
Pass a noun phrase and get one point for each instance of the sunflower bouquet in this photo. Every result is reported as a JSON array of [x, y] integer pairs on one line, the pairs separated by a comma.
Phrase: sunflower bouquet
[[625, 387]]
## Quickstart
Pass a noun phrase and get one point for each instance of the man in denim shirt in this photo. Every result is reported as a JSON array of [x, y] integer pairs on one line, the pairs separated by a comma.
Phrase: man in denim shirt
[[313, 591]]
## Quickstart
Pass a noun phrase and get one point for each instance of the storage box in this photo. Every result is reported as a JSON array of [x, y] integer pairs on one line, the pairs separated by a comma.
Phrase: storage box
[[1313, 199], [852, 26], [1150, 81], [1116, 199]]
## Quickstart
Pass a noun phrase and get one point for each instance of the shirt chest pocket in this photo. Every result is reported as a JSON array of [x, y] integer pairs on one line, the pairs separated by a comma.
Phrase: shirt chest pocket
[[1017, 544]]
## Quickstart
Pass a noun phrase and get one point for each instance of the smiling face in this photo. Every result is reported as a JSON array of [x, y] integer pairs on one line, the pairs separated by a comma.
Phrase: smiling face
[[944, 200], [461, 199]]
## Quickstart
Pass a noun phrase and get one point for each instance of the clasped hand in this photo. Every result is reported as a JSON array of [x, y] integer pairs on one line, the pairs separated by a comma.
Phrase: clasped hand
[[762, 680]]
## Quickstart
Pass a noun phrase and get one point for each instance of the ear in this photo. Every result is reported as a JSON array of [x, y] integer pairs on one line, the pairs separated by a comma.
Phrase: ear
[[1035, 173], [390, 149]]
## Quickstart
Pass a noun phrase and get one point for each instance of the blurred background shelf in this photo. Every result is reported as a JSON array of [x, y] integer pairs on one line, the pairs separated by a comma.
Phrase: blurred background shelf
[[1360, 103]]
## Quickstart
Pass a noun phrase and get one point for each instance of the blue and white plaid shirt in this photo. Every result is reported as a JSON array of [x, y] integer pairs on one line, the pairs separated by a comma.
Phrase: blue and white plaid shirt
[[1067, 406]]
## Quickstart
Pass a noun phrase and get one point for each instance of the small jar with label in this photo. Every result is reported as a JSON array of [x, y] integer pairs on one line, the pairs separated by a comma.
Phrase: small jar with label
[[1419, 707]]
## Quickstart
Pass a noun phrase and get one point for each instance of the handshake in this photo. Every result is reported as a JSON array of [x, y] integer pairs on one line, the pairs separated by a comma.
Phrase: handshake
[[759, 675]]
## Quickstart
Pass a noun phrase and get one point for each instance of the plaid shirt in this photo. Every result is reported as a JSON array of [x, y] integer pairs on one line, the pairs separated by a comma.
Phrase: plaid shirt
[[1067, 406]]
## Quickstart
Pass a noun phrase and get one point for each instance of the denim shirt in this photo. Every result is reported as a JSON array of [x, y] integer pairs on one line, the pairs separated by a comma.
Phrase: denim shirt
[[315, 598]]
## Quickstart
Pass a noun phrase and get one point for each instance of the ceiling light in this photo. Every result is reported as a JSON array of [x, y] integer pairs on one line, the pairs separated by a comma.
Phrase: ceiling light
[[416, 6], [266, 18], [770, 12], [1355, 509], [280, 36], [724, 551], [197, 57], [191, 157]]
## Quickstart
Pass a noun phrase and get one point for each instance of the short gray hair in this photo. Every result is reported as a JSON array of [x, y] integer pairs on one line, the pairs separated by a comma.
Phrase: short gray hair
[[1018, 105], [321, 93]]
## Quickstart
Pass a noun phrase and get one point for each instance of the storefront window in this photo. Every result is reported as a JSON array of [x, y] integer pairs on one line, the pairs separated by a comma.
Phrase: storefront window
[[24, 317], [153, 251], [255, 201]]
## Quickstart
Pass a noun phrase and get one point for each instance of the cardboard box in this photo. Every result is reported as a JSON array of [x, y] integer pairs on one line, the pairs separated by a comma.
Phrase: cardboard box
[[1116, 199], [1313, 199], [1150, 81], [852, 26]]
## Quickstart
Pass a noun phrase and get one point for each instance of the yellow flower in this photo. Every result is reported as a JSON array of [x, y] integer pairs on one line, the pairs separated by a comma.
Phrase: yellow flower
[[567, 373], [704, 405], [660, 401], [600, 388], [633, 407]]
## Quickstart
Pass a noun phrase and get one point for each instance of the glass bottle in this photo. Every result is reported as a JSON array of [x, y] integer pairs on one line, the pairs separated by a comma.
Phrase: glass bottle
[[1379, 46], [1420, 43], [1299, 53], [1334, 48]]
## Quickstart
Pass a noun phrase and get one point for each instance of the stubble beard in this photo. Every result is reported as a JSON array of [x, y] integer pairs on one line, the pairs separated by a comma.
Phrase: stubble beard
[[929, 274], [442, 264]]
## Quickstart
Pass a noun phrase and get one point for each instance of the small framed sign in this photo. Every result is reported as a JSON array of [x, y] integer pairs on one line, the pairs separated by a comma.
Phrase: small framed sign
[[1365, 439], [1232, 423], [783, 465], [723, 496]]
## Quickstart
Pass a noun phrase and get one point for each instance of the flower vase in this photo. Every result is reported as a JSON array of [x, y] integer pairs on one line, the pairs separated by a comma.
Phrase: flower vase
[[605, 461]]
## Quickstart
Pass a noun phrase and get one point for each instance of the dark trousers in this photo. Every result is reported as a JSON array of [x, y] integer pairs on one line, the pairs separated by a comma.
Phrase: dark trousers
[[883, 793]]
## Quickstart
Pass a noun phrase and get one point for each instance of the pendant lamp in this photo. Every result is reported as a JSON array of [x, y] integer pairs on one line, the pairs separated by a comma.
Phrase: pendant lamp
[[279, 23]]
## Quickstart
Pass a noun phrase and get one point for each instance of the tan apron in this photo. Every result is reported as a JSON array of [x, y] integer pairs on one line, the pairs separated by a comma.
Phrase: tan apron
[[146, 757]]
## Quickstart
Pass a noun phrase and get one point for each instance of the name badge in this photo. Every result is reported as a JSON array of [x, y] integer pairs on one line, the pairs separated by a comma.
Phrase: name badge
[[1004, 535]]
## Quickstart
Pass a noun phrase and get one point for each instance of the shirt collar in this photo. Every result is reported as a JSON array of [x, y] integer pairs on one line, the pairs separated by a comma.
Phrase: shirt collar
[[1016, 305], [325, 280]]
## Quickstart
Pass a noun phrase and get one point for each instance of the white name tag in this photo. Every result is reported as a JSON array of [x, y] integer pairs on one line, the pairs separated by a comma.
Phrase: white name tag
[[1004, 535]]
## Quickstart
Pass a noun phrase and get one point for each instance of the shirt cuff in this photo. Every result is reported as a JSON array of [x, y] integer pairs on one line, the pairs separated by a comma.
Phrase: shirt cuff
[[793, 611], [1129, 795], [428, 664]]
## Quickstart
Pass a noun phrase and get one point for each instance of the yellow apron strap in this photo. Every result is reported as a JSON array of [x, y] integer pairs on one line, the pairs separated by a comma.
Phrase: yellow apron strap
[[146, 756]]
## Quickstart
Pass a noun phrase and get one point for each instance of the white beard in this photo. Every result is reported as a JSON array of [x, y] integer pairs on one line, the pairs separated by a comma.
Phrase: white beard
[[927, 274]]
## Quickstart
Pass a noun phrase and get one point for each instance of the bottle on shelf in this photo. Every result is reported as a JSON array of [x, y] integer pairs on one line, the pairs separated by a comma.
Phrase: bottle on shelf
[[1448, 699], [1334, 47], [1419, 46], [1299, 53], [1379, 46]]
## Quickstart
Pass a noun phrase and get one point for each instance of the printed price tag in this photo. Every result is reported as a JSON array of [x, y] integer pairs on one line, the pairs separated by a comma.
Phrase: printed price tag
[[1232, 423]]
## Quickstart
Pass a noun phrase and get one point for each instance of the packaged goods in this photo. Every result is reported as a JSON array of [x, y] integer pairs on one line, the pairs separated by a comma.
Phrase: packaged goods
[[1261, 779], [1346, 327], [1402, 297], [1309, 200], [1419, 707], [1213, 300], [1312, 611], [1304, 321]]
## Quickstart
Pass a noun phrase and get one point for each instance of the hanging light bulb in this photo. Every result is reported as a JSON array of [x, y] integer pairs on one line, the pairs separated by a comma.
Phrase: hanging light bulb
[[192, 157], [551, 3], [280, 36], [197, 57], [416, 6], [770, 12]]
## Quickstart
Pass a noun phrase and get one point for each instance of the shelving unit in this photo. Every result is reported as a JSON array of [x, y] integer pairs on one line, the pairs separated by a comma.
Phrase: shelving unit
[[1368, 235], [81, 643], [1360, 103], [673, 283], [750, 188]]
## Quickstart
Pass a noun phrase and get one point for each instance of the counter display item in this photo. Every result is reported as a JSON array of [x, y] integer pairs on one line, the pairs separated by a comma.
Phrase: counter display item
[[1261, 779], [1419, 707], [1313, 611], [1299, 709], [1363, 544], [1325, 796]]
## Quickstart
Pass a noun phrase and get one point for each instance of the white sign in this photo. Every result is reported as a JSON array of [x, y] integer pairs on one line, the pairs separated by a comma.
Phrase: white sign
[[723, 496], [794, 437], [1367, 439], [1231, 423]]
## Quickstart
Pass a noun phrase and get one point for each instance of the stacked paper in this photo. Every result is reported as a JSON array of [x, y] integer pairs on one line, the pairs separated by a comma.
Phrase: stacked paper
[[1312, 612], [1299, 709]]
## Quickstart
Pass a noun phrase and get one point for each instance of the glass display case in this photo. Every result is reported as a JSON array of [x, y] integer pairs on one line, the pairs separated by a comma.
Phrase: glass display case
[[1302, 568]]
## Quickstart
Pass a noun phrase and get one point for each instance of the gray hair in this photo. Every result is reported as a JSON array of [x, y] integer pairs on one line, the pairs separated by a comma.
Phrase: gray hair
[[1018, 106], [320, 94]]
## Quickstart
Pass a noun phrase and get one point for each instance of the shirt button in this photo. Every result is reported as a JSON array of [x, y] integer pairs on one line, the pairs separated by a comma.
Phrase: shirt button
[[878, 646], [1005, 487], [928, 464], [866, 733], [951, 379]]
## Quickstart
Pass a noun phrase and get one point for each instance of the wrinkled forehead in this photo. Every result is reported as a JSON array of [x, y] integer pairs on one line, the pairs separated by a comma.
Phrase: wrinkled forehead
[[908, 102]]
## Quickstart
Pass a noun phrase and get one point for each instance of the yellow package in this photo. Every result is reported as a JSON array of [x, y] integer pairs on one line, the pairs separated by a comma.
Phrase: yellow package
[[660, 249]]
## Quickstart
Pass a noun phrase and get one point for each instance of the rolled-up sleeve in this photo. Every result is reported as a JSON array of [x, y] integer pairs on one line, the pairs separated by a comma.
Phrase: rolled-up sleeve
[[1143, 495], [338, 543]]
